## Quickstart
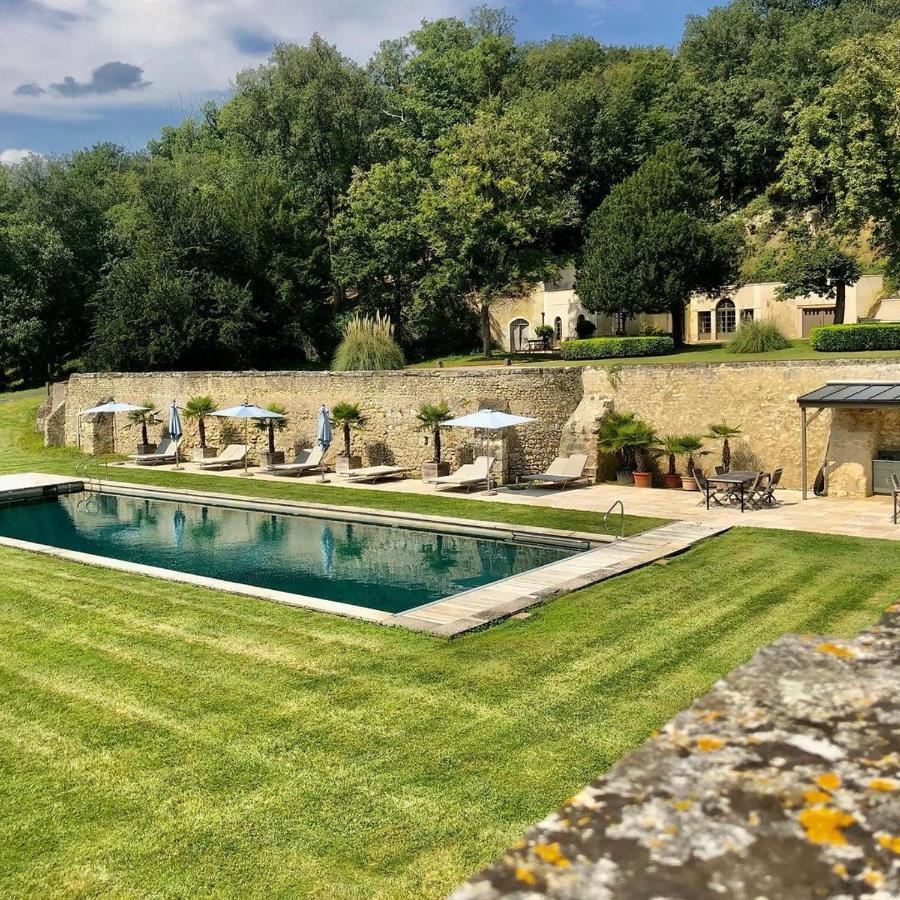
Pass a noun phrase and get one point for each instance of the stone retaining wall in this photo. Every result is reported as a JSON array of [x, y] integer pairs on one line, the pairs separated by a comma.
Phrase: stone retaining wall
[[568, 402], [783, 782]]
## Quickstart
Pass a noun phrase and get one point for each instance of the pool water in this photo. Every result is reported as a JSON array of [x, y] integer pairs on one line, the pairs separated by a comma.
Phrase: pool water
[[374, 566]]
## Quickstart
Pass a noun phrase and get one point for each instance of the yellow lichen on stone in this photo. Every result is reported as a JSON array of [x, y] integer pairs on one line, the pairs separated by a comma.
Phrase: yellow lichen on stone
[[707, 744], [890, 842], [883, 784], [831, 781], [551, 853], [812, 797], [683, 805], [525, 875], [824, 825], [753, 818], [837, 650], [840, 870], [873, 877]]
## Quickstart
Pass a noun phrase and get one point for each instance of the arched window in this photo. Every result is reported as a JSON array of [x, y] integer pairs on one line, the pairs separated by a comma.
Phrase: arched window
[[725, 317], [518, 335], [557, 328]]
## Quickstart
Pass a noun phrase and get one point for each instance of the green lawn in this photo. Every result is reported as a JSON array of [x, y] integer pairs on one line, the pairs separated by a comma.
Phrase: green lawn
[[712, 353], [21, 450], [162, 740]]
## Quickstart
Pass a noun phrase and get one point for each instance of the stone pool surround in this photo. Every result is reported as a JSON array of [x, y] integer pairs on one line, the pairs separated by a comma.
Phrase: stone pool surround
[[782, 782], [567, 401]]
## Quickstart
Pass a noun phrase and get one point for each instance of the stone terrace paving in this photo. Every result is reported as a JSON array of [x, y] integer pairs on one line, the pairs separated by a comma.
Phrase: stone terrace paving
[[868, 518]]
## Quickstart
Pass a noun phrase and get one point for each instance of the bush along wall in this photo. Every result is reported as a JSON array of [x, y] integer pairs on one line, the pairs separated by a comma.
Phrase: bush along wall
[[611, 347], [837, 338]]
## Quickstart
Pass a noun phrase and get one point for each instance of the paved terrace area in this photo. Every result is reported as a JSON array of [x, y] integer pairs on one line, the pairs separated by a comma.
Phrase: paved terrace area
[[868, 518]]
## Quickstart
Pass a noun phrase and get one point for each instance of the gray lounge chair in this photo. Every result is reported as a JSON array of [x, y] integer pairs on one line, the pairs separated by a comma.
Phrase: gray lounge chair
[[374, 473], [467, 476], [233, 455], [306, 461], [564, 470], [166, 452]]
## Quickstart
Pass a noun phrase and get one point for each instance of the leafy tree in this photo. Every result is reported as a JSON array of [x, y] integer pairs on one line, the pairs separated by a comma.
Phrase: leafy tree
[[197, 409], [270, 426], [723, 432], [844, 157], [348, 418], [654, 241], [817, 265], [432, 417], [491, 208], [143, 418]]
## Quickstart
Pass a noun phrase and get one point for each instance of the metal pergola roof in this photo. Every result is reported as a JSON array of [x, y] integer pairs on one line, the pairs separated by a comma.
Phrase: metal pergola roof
[[858, 394]]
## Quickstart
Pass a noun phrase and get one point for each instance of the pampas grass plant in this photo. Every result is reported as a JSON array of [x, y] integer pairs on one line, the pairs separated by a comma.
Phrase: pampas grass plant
[[758, 337], [368, 345]]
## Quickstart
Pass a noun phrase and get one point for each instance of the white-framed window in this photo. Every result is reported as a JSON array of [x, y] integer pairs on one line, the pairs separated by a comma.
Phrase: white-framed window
[[704, 323], [746, 315], [557, 328], [726, 317]]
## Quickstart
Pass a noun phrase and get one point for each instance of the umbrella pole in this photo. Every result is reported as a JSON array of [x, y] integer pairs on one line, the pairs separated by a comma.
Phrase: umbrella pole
[[246, 447]]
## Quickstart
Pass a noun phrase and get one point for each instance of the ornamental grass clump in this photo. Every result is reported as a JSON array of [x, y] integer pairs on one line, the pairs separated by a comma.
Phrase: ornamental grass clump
[[758, 337], [368, 345]]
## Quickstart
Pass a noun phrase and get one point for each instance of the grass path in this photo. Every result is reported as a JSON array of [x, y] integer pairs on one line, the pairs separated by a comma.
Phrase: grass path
[[21, 450], [162, 740]]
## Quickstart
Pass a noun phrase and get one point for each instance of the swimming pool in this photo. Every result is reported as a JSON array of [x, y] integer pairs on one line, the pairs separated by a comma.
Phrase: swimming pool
[[386, 567]]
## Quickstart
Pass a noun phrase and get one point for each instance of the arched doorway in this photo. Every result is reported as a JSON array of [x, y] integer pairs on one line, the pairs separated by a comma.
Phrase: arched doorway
[[557, 329], [518, 335], [726, 319]]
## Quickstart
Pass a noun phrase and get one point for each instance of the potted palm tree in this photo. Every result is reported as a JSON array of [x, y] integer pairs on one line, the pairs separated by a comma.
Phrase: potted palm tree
[[348, 418], [612, 439], [690, 444], [723, 432], [641, 439], [272, 457], [431, 418], [196, 410], [671, 445], [144, 418]]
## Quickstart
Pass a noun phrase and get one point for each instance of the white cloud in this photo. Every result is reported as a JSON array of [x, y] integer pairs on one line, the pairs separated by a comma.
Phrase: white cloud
[[184, 48], [13, 156]]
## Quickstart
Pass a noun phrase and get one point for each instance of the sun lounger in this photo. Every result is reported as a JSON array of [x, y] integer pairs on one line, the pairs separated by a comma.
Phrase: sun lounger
[[467, 476], [308, 461], [374, 473], [232, 455], [166, 452], [564, 470]]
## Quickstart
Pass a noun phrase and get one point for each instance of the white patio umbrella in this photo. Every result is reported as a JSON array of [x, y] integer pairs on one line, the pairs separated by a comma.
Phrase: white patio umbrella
[[113, 408], [488, 420], [246, 411], [175, 429]]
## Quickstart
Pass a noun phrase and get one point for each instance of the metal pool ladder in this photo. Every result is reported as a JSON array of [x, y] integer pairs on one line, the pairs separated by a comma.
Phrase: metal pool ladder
[[606, 516], [90, 470]]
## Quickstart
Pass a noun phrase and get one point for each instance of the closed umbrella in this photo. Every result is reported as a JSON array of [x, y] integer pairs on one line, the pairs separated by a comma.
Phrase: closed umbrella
[[111, 407], [324, 434], [489, 420], [246, 411], [175, 429]]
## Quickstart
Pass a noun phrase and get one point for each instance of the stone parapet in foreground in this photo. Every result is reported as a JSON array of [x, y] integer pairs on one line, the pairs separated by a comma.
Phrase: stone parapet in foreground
[[782, 782]]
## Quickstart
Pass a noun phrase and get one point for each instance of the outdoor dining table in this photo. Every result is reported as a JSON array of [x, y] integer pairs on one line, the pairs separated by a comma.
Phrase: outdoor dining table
[[742, 479]]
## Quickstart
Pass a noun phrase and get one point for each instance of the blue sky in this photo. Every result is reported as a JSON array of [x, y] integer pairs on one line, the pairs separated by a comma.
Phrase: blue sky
[[74, 72]]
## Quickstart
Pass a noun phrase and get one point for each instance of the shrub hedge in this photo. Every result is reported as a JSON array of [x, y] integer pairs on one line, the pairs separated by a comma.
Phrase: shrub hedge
[[836, 338], [610, 347]]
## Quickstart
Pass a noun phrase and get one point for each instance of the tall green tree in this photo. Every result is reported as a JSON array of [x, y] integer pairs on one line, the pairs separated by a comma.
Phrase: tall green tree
[[655, 240], [493, 203]]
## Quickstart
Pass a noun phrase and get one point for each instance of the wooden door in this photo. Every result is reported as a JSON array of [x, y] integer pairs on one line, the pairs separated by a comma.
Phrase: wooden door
[[813, 318]]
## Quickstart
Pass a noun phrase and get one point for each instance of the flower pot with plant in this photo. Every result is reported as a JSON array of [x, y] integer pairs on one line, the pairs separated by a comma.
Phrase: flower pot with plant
[[724, 432], [612, 439], [348, 418], [271, 456], [671, 446], [196, 410], [643, 442], [431, 418], [545, 333], [144, 418], [691, 445]]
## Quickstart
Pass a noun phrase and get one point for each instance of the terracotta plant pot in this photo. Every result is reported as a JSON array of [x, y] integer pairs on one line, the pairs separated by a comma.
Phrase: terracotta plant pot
[[643, 479], [435, 470], [672, 481], [624, 476], [689, 483], [347, 463]]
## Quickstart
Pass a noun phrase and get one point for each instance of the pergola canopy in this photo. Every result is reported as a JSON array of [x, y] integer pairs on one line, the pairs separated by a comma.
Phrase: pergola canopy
[[858, 394]]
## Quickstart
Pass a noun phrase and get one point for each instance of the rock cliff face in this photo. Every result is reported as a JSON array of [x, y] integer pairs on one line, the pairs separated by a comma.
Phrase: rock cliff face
[[782, 782]]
